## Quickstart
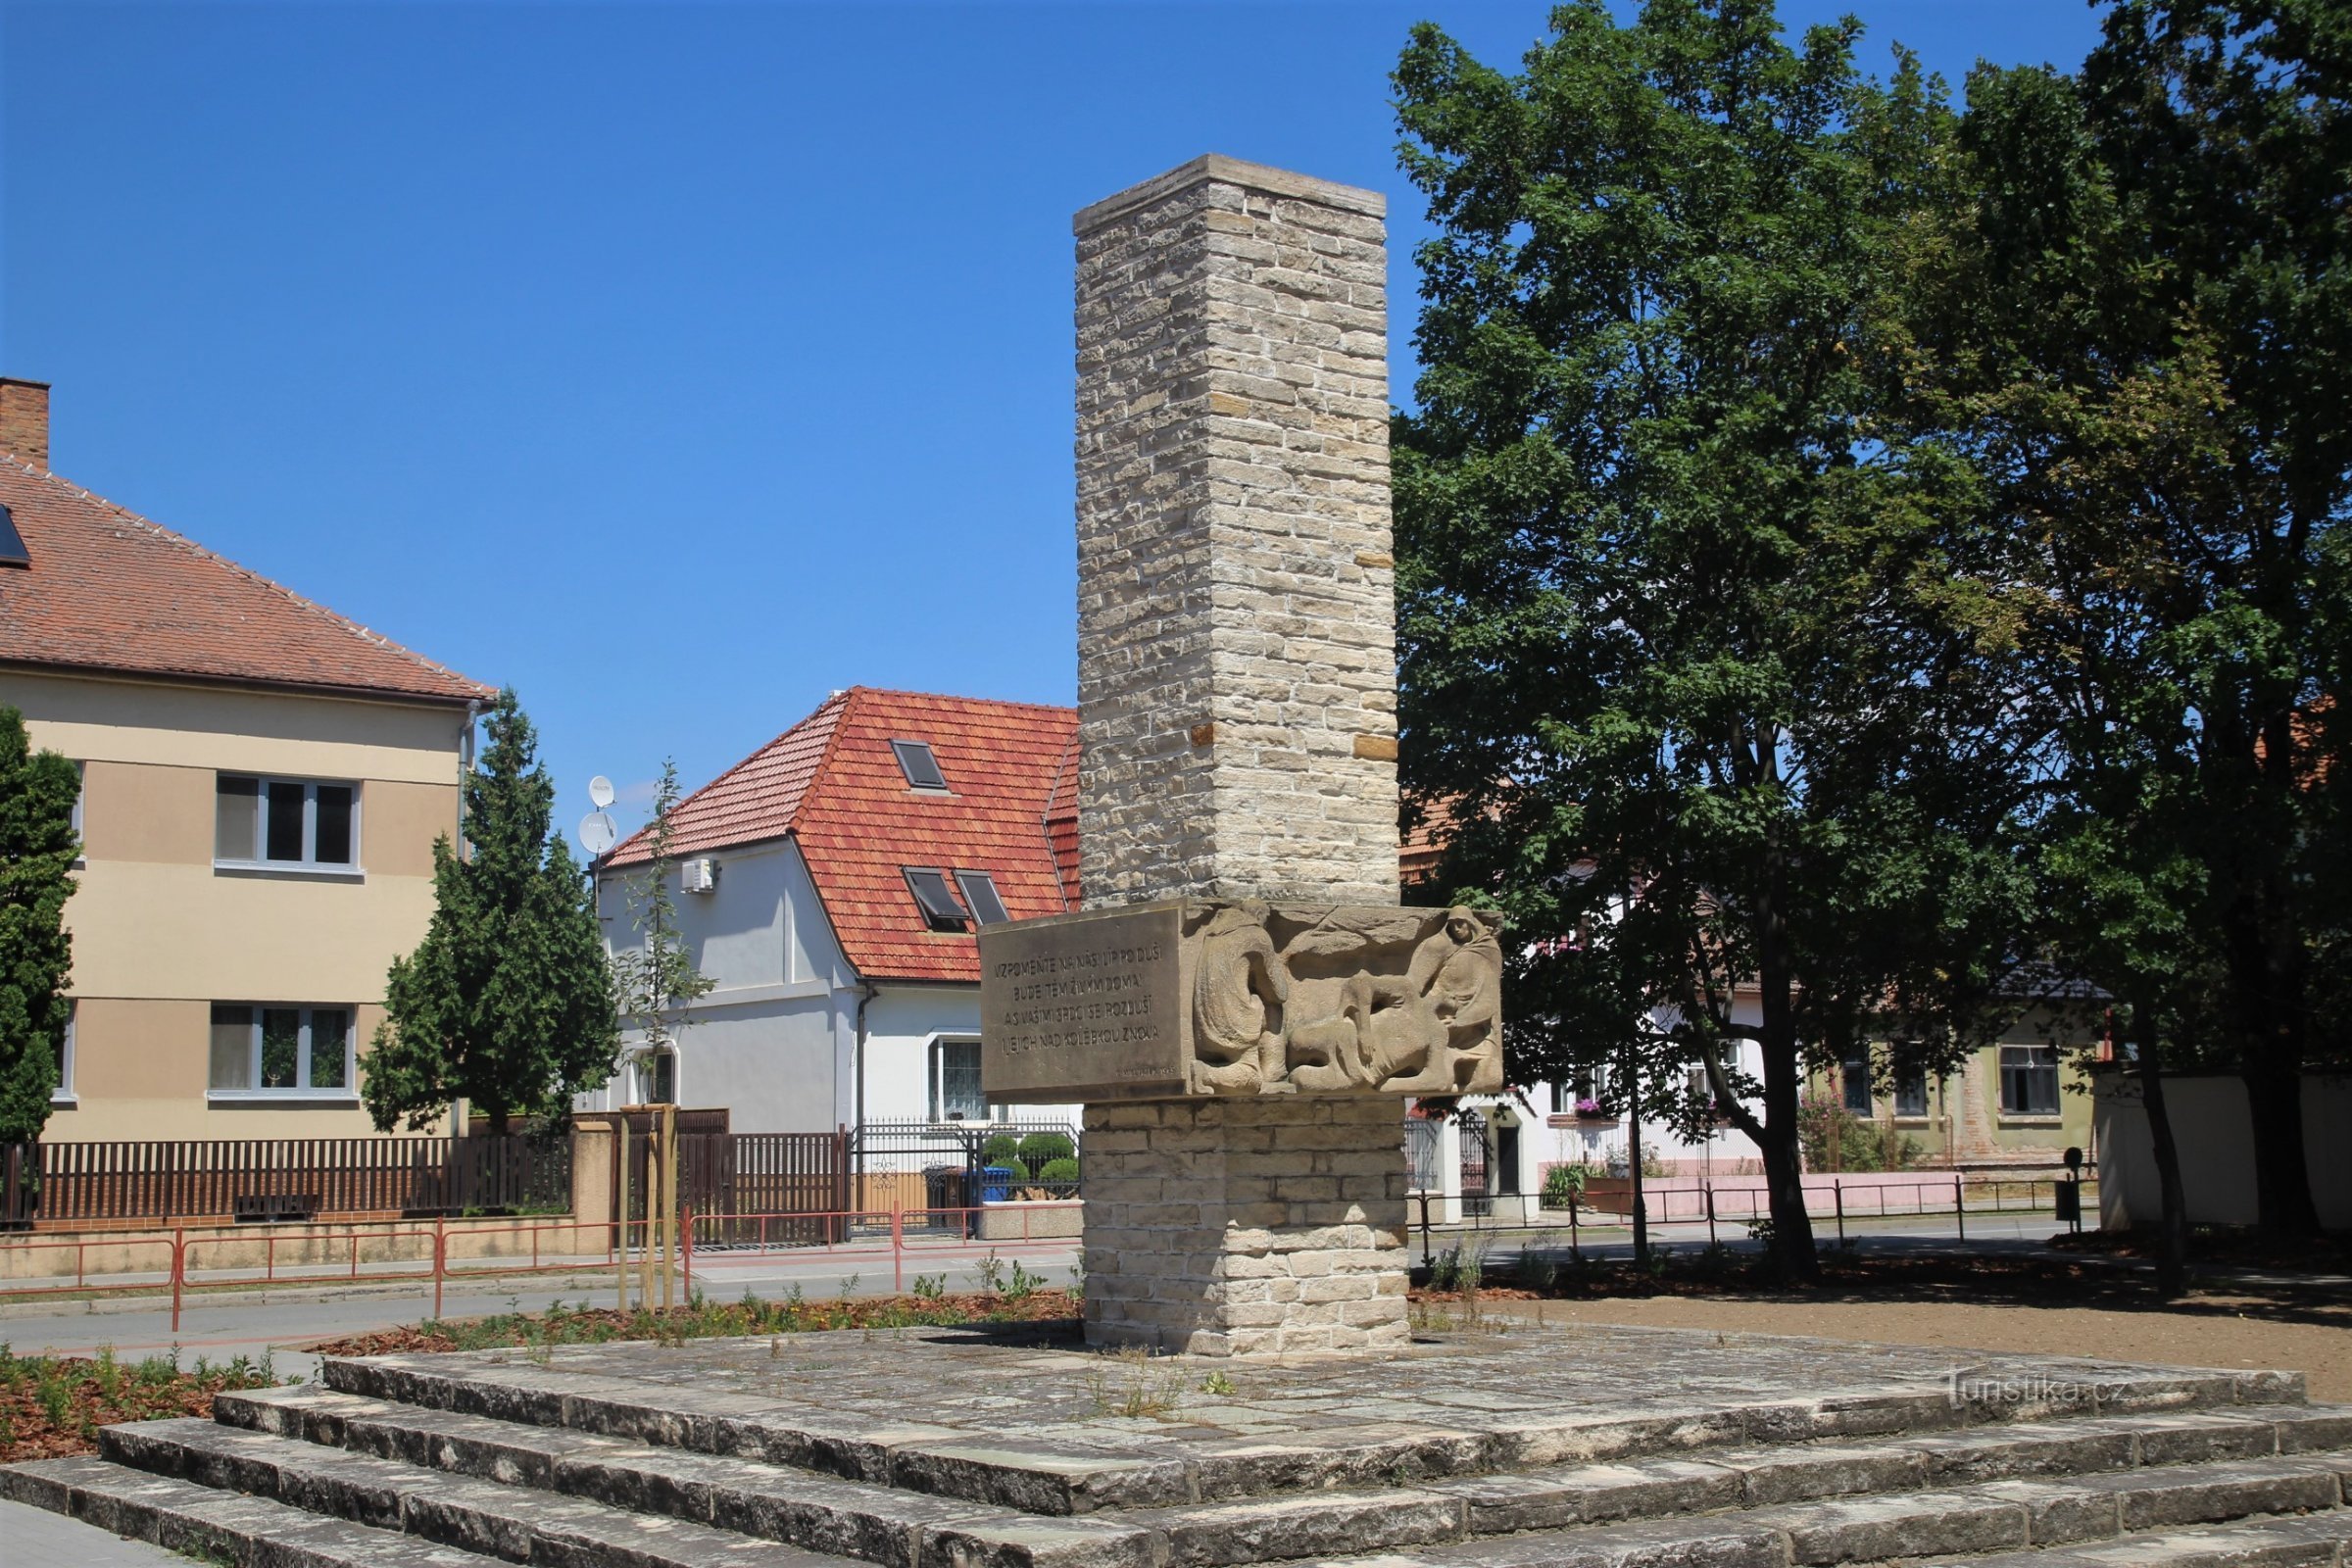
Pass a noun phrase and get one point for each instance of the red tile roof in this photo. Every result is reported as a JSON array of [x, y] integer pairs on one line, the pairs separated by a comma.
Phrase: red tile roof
[[832, 784], [108, 590]]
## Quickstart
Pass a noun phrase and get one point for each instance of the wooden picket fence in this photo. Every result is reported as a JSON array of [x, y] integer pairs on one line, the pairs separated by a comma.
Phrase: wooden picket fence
[[60, 1184]]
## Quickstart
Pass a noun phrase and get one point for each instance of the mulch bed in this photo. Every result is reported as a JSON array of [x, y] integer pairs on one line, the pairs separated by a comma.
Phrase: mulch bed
[[51, 1407], [600, 1325]]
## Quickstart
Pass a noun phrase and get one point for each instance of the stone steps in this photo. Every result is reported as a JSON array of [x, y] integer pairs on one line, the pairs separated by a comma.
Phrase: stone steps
[[2276, 1511], [885, 1524], [1040, 1474], [528, 1492], [1619, 1447]]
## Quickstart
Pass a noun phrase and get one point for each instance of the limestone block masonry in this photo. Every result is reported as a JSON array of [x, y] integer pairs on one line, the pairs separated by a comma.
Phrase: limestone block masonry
[[1246, 1227], [1236, 600]]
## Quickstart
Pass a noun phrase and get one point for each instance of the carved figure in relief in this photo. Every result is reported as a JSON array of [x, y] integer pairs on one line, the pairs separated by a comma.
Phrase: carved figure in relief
[[1458, 975], [1238, 987], [1433, 1029]]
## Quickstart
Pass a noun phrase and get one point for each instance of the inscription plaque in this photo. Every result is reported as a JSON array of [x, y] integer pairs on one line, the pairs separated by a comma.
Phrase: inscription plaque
[[1235, 996], [1083, 1006]]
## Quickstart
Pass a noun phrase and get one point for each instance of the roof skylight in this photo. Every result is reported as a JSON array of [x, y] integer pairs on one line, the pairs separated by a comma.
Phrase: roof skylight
[[980, 894], [12, 542], [919, 765], [940, 911]]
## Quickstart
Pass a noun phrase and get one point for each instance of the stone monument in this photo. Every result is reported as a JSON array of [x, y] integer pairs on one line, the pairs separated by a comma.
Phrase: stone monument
[[1241, 1006]]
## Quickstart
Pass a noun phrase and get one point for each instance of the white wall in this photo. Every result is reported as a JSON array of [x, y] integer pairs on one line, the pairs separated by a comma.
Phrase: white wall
[[2216, 1139], [776, 1039], [773, 1039]]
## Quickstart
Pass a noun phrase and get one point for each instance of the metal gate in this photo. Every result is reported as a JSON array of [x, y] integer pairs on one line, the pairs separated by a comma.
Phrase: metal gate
[[1477, 1201]]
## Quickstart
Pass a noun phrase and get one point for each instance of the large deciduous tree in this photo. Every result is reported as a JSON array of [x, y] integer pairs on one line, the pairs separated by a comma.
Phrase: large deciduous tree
[[2151, 358], [1692, 634], [38, 848], [508, 1003]]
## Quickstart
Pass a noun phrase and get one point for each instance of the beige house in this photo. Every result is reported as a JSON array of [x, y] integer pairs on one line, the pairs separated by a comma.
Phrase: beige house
[[263, 781]]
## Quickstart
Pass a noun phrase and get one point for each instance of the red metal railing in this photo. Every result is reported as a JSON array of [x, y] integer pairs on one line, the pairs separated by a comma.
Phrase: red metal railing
[[726, 1240]]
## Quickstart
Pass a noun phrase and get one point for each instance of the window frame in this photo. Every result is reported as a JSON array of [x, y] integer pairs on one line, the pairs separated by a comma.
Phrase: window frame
[[2041, 1064], [964, 884], [934, 919], [81, 795], [1909, 1075], [936, 1082], [62, 1091], [900, 746], [1854, 1071], [306, 1055], [310, 864]]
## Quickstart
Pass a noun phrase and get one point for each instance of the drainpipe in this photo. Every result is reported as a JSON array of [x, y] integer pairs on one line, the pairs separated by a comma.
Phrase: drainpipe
[[866, 991]]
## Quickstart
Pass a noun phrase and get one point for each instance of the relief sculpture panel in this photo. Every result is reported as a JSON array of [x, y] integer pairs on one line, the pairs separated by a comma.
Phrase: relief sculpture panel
[[1217, 996]]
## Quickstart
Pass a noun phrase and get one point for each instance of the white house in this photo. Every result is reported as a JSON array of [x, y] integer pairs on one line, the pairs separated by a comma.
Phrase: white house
[[830, 884]]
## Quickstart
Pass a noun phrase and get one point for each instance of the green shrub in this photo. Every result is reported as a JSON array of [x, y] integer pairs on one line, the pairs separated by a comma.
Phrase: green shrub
[[1564, 1185], [1058, 1170], [1040, 1149], [1001, 1149]]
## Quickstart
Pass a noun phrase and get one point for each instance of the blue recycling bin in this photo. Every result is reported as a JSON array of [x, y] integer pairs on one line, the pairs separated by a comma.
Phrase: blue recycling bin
[[995, 1183]]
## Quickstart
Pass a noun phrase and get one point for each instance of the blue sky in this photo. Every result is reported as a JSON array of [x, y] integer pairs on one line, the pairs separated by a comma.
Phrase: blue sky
[[674, 364]]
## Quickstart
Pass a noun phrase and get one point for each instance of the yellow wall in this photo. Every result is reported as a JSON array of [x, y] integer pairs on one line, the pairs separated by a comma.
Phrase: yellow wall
[[1964, 1121], [160, 934]]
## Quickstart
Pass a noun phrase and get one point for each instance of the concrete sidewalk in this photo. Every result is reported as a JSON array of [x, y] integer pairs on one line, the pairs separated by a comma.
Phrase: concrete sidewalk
[[35, 1538]]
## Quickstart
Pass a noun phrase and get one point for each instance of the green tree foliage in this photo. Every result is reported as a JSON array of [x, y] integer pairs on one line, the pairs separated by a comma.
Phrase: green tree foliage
[[508, 1003], [37, 847], [1694, 637], [656, 978], [2146, 346]]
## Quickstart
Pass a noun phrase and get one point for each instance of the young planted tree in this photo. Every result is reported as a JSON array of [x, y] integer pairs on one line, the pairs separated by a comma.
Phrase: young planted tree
[[508, 1002], [1691, 634], [2153, 357], [655, 979], [37, 847]]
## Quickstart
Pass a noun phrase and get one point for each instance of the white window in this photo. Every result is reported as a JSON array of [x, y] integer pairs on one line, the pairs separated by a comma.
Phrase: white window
[[81, 794], [274, 1051], [285, 823], [62, 1094], [2029, 1080], [955, 1082]]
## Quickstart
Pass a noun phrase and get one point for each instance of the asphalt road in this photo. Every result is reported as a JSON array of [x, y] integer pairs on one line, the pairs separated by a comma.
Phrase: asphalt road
[[281, 1322]]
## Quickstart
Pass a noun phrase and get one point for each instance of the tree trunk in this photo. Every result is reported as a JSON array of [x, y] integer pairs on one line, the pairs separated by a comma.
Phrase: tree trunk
[[497, 1122], [2268, 995], [2172, 1250], [2281, 1173], [1783, 1168]]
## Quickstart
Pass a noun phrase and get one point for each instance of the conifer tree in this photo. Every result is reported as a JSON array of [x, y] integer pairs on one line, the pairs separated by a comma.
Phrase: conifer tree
[[37, 847], [508, 1003]]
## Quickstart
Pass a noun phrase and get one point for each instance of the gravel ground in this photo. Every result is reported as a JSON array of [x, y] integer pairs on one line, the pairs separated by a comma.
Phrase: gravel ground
[[2295, 1330]]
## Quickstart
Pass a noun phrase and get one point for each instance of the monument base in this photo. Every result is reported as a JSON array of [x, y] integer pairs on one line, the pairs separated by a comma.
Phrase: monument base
[[1248, 1226]]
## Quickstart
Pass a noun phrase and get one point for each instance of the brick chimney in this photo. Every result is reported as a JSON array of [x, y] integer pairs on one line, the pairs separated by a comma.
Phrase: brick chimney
[[24, 419]]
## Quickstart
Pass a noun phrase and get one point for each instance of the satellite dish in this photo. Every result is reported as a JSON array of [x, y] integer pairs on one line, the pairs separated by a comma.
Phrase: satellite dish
[[600, 792], [597, 832]]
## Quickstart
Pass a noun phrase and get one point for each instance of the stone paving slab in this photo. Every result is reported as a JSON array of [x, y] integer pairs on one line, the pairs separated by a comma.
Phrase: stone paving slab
[[1041, 1425]]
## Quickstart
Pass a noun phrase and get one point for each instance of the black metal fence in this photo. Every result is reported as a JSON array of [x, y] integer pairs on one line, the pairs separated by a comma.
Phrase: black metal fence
[[930, 1166], [280, 1178]]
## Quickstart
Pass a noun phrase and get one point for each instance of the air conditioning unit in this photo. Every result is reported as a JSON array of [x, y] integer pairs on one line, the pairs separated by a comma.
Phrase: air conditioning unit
[[698, 877]]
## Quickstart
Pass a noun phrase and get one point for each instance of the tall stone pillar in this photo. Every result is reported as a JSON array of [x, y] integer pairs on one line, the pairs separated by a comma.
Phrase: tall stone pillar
[[1237, 650], [1241, 1005]]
